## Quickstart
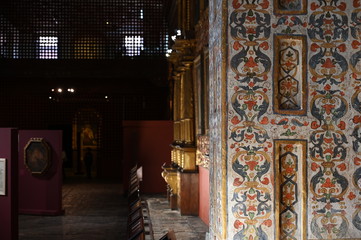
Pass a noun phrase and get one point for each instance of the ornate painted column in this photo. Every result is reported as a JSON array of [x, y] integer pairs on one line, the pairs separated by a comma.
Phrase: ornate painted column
[[285, 119]]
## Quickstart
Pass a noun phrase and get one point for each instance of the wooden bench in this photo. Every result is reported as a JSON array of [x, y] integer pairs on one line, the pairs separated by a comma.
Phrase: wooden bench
[[139, 226]]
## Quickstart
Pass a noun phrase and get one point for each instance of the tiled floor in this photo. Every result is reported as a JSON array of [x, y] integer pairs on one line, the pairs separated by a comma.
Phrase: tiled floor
[[97, 210]]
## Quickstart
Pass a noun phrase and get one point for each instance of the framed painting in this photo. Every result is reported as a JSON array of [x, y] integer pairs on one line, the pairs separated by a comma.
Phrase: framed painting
[[2, 176], [37, 156], [288, 7]]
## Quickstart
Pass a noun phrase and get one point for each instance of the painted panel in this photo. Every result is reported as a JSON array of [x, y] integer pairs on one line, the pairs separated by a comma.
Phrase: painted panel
[[290, 92], [290, 6], [290, 189]]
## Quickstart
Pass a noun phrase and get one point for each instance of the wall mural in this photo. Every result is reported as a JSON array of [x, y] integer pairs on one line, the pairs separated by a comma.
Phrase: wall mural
[[328, 32], [355, 66], [262, 193]]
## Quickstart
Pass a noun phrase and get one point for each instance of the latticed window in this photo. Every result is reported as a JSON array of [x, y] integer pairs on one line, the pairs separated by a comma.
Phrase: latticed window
[[48, 48], [85, 29]]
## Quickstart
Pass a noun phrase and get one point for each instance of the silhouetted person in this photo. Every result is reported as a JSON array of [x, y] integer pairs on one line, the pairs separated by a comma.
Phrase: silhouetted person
[[88, 160]]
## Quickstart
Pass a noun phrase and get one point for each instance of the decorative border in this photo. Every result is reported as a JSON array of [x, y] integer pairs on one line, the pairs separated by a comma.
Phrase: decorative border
[[302, 9], [301, 179], [277, 75], [3, 176]]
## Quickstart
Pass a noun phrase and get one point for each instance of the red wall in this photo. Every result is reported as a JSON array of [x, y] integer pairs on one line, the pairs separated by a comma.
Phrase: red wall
[[204, 195], [147, 143], [9, 202], [41, 195]]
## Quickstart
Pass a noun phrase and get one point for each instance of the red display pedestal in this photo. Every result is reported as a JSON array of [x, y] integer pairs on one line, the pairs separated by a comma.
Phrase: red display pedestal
[[41, 194], [9, 201]]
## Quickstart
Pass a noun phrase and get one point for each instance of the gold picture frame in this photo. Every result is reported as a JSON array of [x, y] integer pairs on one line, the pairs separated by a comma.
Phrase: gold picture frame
[[37, 156]]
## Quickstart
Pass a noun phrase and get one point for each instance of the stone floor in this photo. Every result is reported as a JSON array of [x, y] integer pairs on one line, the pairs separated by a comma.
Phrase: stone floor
[[97, 210]]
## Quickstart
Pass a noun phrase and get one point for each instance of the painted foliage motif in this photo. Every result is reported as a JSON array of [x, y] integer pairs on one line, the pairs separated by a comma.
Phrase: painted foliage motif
[[328, 31], [251, 204], [355, 65], [332, 125]]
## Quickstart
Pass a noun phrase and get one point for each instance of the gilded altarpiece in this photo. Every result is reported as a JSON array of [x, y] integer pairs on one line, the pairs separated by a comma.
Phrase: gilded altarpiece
[[330, 123]]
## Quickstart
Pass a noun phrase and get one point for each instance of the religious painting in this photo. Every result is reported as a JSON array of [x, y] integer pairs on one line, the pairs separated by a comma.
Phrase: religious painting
[[290, 7], [88, 135], [37, 157], [2, 176]]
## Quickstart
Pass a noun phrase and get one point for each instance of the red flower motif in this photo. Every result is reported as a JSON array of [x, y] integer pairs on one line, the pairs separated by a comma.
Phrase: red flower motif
[[342, 47], [249, 136], [265, 181], [328, 108], [251, 63], [252, 164], [314, 6], [264, 4], [237, 224], [237, 45], [351, 195], [355, 44], [356, 119], [236, 4], [357, 161], [328, 63], [264, 120], [342, 167], [251, 197], [314, 166], [250, 104], [356, 3], [342, 6], [237, 182], [314, 125], [252, 208], [267, 223], [264, 45], [328, 86], [314, 47], [328, 184], [235, 120], [342, 125]]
